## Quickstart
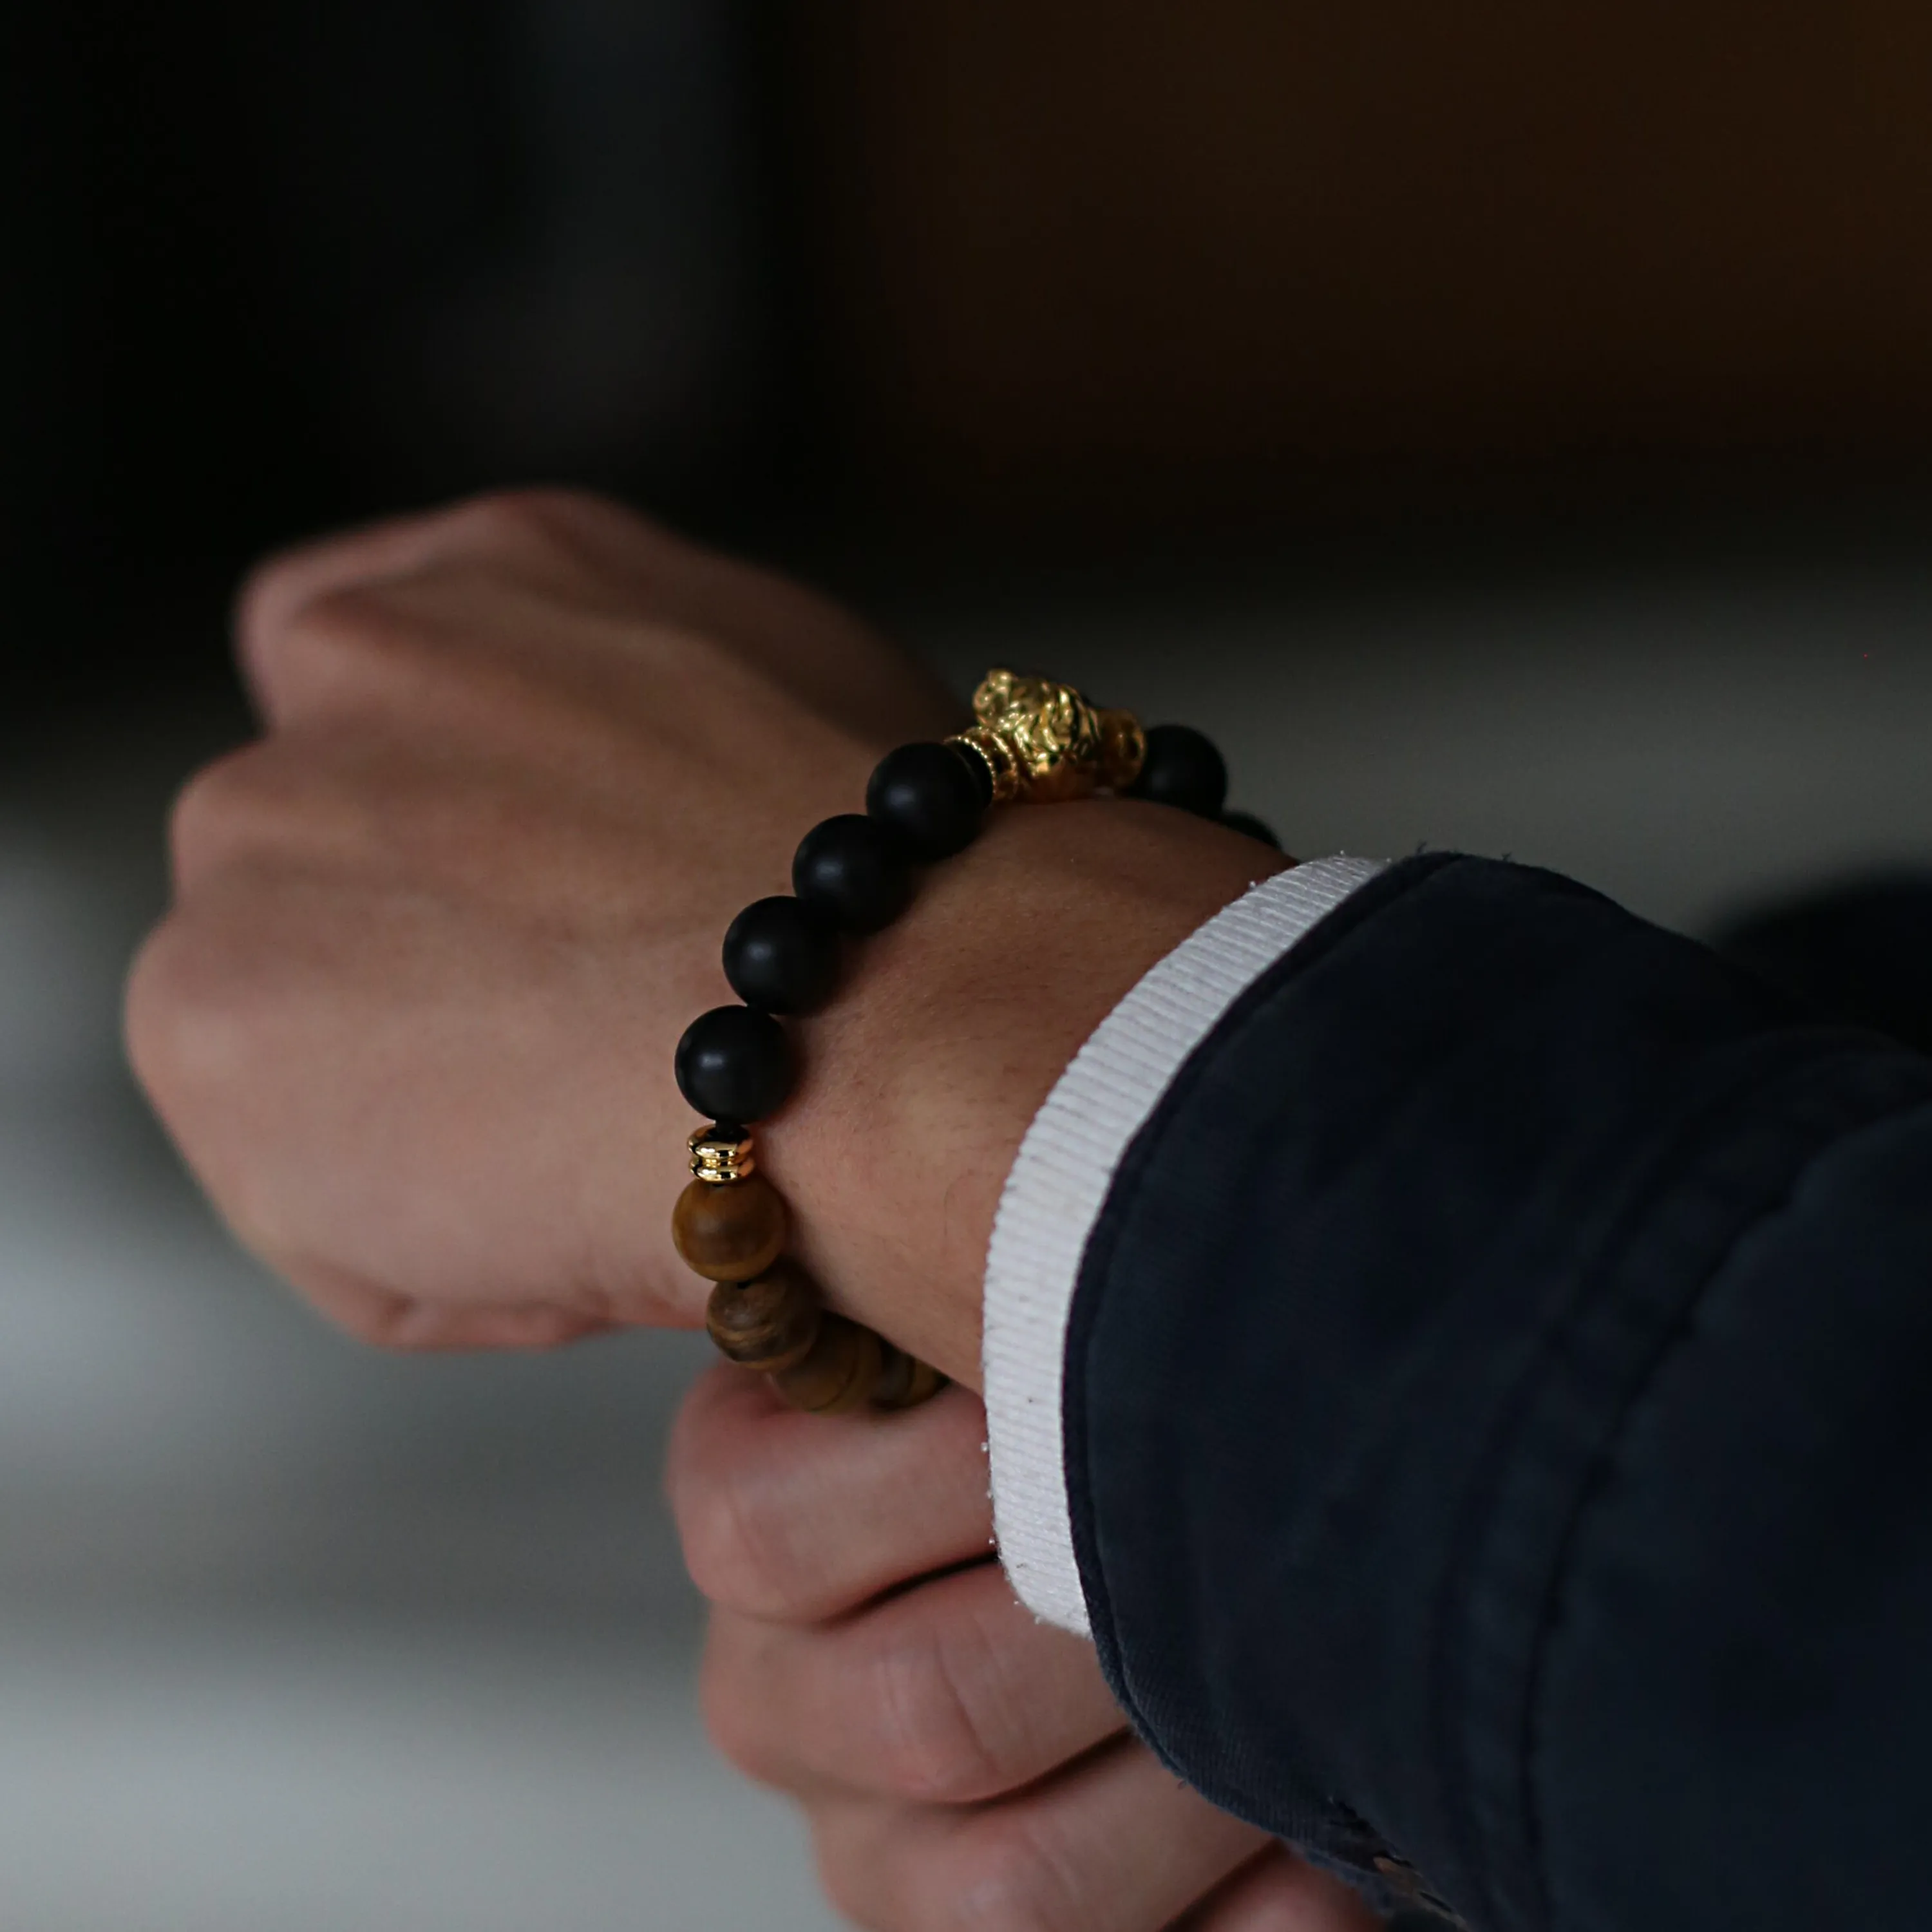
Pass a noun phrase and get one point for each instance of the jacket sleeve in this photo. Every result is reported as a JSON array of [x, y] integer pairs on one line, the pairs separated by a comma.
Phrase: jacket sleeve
[[1498, 1420]]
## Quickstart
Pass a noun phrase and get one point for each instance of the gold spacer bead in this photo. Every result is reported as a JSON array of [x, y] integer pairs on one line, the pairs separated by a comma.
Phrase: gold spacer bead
[[992, 752], [716, 1157]]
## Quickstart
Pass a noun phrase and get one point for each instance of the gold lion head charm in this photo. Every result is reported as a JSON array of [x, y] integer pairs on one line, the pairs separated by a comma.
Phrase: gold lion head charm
[[1044, 743]]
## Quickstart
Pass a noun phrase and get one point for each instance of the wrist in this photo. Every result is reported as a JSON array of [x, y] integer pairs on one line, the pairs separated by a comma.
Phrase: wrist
[[924, 1073]]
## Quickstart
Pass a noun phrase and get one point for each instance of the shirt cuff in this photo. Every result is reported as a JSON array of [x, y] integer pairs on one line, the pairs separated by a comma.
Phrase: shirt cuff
[[1059, 1183]]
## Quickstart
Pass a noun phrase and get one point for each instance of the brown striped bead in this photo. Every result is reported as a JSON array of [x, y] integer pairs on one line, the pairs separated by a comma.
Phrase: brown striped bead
[[905, 1381], [769, 1325], [730, 1231], [839, 1373]]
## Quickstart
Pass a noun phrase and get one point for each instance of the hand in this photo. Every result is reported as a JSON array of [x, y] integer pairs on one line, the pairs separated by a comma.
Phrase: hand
[[435, 934], [960, 1763]]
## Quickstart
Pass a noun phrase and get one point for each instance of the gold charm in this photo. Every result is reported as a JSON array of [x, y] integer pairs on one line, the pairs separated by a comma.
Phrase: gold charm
[[1043, 743]]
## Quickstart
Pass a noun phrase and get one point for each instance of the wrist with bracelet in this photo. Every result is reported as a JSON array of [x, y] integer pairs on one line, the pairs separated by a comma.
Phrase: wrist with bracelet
[[1031, 741]]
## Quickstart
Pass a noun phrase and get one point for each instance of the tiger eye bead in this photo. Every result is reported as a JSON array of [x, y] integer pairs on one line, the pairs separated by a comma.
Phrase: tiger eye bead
[[769, 1325], [729, 1231], [905, 1381], [839, 1373]]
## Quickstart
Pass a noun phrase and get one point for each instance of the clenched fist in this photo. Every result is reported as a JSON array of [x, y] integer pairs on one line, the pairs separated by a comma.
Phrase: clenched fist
[[435, 934], [960, 1763]]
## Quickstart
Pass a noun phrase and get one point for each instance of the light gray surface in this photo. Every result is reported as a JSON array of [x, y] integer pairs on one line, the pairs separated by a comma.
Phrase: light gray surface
[[250, 1773], [293, 1636]]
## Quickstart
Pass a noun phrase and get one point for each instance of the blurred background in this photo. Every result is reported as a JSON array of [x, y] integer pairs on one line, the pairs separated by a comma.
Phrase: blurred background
[[1504, 426]]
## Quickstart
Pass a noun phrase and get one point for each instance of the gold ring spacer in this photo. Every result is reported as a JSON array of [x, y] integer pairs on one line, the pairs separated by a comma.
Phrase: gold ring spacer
[[719, 1157]]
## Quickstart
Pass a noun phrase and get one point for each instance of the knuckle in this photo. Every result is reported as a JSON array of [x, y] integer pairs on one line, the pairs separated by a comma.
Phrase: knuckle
[[864, 1881], [277, 605], [187, 1010], [935, 1736], [740, 1545], [735, 1508], [346, 622], [268, 587], [389, 1322], [222, 801], [999, 1871], [848, 1874], [543, 517], [190, 1038], [731, 1720], [290, 798], [185, 1034], [350, 642], [367, 1310], [153, 1007]]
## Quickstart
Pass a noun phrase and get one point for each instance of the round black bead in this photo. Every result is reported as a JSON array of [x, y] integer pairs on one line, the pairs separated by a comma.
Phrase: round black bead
[[1249, 827], [782, 955], [734, 1064], [1183, 768], [854, 870], [925, 797]]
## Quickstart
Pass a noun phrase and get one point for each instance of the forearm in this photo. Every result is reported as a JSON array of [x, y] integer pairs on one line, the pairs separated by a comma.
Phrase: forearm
[[924, 1073]]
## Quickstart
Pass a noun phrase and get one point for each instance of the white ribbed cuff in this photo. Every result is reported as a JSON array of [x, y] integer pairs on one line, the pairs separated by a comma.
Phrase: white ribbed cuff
[[1059, 1182]]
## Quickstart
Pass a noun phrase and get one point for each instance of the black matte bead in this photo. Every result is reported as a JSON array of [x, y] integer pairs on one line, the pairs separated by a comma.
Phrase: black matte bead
[[1249, 827], [782, 955], [734, 1064], [854, 870], [924, 796], [1183, 768]]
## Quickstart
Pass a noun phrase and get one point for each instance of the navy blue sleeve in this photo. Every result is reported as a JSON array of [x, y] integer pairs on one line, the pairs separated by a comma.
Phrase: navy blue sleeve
[[1498, 1421]]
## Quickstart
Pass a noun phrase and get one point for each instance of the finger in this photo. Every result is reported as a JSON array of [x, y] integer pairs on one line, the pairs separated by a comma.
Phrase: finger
[[384, 1319], [376, 803], [455, 640], [820, 651], [589, 553], [1115, 1844], [521, 566], [950, 1693], [1279, 1892], [460, 656], [794, 1519], [371, 1139], [542, 538], [295, 802]]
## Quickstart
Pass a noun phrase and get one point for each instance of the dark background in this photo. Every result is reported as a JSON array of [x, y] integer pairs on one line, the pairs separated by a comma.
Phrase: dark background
[[273, 267], [956, 292]]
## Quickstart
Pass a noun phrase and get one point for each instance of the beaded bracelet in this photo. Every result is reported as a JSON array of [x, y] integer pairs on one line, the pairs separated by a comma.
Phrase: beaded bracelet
[[1031, 741]]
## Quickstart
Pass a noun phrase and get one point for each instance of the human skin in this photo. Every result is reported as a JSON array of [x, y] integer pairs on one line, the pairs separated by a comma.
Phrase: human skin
[[961, 1764], [410, 1020], [411, 1016]]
